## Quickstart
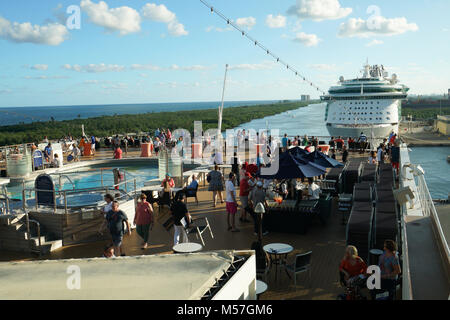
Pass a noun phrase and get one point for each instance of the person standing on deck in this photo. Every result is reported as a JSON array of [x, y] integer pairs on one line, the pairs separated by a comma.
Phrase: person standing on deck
[[390, 268], [215, 180], [258, 196], [118, 153], [231, 203], [182, 218], [93, 145], [395, 157], [344, 154], [125, 144], [284, 142], [380, 153], [363, 142], [143, 219], [244, 190], [116, 219], [235, 163]]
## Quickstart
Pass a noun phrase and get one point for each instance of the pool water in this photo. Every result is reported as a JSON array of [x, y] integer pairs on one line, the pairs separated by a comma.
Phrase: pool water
[[437, 170], [88, 178]]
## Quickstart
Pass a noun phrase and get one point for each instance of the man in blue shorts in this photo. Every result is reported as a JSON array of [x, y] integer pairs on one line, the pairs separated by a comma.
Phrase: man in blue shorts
[[115, 219]]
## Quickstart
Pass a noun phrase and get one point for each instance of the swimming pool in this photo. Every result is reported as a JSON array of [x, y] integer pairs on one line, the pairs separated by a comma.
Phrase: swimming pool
[[91, 177]]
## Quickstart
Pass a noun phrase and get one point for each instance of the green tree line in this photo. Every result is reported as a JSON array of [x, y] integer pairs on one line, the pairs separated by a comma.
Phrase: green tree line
[[121, 124], [426, 113]]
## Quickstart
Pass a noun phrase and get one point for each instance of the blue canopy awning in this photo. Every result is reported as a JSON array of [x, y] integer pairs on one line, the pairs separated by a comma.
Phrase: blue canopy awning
[[291, 167]]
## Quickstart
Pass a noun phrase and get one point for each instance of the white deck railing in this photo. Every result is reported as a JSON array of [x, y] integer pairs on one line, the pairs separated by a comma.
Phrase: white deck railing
[[429, 210]]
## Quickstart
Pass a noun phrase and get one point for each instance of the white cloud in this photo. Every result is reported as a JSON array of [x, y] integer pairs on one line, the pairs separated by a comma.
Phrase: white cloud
[[157, 13], [45, 77], [323, 67], [41, 67], [91, 82], [248, 22], [319, 10], [376, 26], [172, 67], [374, 42], [212, 28], [176, 29], [94, 68], [123, 19], [145, 67], [160, 13], [258, 66], [5, 91], [51, 34], [309, 40], [190, 68], [278, 21]]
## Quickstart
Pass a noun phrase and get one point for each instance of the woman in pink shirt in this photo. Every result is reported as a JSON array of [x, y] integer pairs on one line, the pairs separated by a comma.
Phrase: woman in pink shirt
[[143, 219]]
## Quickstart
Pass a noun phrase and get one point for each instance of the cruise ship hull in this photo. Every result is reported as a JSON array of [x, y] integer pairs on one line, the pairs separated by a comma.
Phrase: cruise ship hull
[[375, 131]]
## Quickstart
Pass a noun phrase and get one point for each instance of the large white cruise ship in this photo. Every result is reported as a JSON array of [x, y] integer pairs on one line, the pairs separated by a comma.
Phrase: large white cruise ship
[[370, 104]]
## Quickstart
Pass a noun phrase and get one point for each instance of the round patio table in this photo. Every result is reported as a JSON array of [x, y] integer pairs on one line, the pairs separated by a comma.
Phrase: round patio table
[[261, 287], [278, 253], [187, 247]]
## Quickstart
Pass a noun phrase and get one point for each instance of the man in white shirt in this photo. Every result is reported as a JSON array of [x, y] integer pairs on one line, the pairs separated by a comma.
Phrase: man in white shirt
[[313, 190], [218, 159], [380, 154], [231, 202]]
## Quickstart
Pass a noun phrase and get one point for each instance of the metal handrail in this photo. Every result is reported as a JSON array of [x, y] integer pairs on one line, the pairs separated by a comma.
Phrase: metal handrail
[[430, 210], [5, 194], [131, 193], [38, 232]]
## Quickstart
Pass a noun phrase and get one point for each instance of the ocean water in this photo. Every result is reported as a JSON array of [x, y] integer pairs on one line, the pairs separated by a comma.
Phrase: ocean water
[[10, 116], [307, 120], [437, 170]]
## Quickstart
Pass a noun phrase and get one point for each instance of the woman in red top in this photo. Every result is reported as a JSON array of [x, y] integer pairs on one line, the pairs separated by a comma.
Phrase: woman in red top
[[118, 153], [143, 219], [169, 180], [352, 265]]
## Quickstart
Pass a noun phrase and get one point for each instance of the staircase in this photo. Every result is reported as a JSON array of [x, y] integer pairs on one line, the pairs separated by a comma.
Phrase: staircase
[[14, 236]]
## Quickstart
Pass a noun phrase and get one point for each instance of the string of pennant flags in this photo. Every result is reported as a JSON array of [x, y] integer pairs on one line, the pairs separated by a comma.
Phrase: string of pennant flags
[[258, 44]]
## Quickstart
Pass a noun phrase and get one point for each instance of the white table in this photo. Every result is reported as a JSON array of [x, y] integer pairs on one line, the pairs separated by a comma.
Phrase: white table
[[261, 287], [187, 247], [278, 253]]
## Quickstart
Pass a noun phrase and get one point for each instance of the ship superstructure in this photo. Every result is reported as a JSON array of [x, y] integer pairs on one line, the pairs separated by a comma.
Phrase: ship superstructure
[[370, 104]]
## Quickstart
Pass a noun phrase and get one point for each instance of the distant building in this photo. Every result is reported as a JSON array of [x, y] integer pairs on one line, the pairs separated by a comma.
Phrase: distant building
[[305, 97], [443, 125]]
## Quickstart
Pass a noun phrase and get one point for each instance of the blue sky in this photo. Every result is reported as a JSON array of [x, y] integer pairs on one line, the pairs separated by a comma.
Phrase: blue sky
[[176, 51]]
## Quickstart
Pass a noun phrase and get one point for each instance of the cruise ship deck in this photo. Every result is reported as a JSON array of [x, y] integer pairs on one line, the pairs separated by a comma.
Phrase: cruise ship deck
[[327, 244]]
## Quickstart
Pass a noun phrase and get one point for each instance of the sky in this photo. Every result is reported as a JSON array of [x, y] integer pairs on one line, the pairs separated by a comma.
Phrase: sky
[[118, 51]]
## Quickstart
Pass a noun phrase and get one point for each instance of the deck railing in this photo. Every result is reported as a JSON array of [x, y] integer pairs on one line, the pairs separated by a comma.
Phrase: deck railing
[[429, 210]]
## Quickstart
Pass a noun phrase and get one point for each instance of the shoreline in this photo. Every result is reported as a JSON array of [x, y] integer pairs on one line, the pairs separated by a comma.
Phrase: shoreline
[[103, 126]]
